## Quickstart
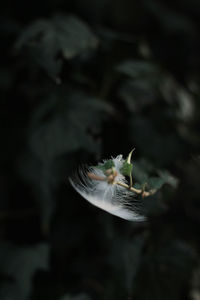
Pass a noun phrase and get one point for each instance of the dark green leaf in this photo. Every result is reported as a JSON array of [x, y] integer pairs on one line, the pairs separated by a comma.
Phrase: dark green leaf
[[138, 69], [164, 272], [126, 169], [20, 264], [73, 119], [155, 182], [109, 164], [63, 34]]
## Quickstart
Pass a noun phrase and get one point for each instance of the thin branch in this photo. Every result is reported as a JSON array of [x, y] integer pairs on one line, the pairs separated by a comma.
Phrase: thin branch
[[128, 187], [137, 191]]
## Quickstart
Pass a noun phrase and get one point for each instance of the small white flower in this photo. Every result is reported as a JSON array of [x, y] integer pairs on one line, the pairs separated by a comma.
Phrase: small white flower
[[102, 190]]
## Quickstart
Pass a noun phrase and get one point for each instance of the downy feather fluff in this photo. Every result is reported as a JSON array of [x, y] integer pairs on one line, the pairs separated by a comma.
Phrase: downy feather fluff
[[112, 198]]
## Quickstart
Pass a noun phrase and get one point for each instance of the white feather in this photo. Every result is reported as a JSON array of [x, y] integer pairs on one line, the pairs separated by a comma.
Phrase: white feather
[[112, 198]]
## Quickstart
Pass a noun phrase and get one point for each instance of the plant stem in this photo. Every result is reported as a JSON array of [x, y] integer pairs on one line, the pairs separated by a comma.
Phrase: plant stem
[[137, 191], [130, 188], [96, 177]]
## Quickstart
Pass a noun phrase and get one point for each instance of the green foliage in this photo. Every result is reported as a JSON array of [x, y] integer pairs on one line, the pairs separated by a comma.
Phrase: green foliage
[[69, 117], [109, 164], [143, 174], [71, 120], [127, 166], [139, 69], [161, 265], [126, 169], [63, 35], [19, 265]]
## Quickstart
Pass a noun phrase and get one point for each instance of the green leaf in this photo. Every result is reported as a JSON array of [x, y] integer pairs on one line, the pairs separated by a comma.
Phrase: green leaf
[[165, 270], [66, 122], [63, 123], [45, 39], [127, 167], [109, 164], [138, 94], [144, 173], [155, 182], [168, 178], [20, 264], [138, 69], [164, 178]]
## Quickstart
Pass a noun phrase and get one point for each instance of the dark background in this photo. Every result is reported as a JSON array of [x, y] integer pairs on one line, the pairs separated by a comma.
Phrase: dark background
[[82, 81]]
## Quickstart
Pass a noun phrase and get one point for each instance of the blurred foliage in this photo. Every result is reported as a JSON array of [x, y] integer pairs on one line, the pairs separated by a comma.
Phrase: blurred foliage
[[86, 80]]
